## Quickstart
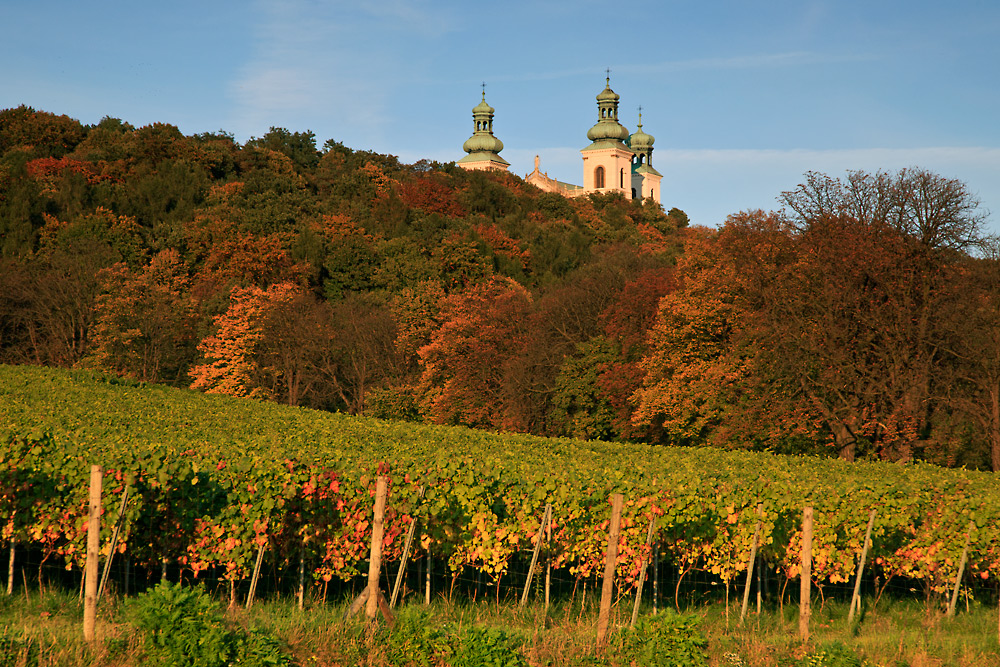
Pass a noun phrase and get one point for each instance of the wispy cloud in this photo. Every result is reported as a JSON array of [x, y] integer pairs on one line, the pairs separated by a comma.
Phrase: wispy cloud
[[739, 62], [320, 60]]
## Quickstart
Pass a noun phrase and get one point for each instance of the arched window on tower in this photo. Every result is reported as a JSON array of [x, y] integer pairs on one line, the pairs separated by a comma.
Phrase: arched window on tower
[[633, 193], [621, 179], [599, 178]]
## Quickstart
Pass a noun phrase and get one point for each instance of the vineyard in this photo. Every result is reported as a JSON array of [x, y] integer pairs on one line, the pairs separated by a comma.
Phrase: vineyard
[[213, 481]]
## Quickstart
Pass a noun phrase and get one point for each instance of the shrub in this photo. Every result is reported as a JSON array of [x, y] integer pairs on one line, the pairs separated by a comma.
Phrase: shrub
[[185, 628], [665, 640], [478, 646], [416, 640]]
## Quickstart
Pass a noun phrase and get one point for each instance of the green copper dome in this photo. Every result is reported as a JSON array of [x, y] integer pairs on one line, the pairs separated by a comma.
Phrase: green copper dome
[[482, 146], [481, 142], [639, 141], [608, 131]]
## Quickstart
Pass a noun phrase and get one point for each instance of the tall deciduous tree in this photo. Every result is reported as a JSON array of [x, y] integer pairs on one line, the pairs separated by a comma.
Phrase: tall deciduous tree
[[835, 315], [465, 364], [274, 343], [974, 350], [145, 320]]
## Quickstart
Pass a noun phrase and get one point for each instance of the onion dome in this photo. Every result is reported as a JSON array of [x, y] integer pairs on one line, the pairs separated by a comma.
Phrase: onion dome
[[482, 146], [642, 149], [640, 141], [482, 107], [607, 94], [608, 131], [482, 143]]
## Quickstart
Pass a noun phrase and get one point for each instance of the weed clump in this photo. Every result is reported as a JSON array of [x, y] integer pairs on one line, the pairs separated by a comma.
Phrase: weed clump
[[185, 627]]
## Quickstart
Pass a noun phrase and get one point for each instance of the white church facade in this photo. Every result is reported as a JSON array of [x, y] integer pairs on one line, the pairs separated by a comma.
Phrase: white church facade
[[615, 160]]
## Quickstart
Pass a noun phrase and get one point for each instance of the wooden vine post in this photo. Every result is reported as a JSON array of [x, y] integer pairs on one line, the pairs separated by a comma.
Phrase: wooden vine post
[[642, 573], [375, 563], [610, 561], [856, 598], [546, 517], [548, 564], [961, 570], [93, 553], [404, 557], [301, 592], [10, 568], [256, 575], [751, 561], [806, 579], [114, 544], [428, 571]]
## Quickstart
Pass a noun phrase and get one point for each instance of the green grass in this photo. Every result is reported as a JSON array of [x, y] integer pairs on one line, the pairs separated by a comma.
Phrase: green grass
[[899, 633]]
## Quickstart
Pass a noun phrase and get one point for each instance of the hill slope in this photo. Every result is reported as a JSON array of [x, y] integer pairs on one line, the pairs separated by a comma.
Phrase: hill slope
[[260, 473]]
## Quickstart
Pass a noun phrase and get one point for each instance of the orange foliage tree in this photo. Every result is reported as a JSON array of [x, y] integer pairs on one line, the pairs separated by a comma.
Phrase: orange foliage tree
[[273, 343]]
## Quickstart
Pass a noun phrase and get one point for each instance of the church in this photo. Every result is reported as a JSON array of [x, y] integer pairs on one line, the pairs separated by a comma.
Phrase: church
[[615, 161]]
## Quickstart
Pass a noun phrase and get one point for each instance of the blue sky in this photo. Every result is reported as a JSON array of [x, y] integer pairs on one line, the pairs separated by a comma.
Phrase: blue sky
[[742, 97]]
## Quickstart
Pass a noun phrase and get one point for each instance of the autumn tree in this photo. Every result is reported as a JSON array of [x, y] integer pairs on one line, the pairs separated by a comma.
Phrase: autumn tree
[[972, 388], [45, 134], [834, 317], [51, 300], [691, 393], [145, 320], [365, 354], [272, 343], [879, 254], [465, 365]]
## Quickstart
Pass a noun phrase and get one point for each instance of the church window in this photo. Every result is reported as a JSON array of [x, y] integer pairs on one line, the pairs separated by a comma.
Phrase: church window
[[621, 179], [633, 193], [599, 178]]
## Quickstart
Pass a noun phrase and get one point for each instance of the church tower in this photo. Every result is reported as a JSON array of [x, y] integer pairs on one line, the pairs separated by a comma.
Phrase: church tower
[[607, 162], [645, 179], [482, 147]]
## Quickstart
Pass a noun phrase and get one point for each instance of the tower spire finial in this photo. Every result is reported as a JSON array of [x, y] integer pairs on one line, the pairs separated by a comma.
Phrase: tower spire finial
[[607, 79], [640, 116], [484, 90]]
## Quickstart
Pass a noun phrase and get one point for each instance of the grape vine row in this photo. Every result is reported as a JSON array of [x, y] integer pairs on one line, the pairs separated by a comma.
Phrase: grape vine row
[[212, 478]]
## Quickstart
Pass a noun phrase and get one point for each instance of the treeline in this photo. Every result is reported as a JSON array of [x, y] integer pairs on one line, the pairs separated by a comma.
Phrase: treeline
[[860, 321]]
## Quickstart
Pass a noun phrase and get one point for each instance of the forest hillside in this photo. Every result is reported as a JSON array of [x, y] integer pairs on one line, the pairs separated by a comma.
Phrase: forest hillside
[[861, 319]]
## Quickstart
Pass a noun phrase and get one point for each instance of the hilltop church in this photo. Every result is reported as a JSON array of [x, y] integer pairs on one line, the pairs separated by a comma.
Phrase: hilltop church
[[615, 161]]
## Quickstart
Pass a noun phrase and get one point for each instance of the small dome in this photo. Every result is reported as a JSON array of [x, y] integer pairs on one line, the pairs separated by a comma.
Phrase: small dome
[[483, 107], [640, 140], [607, 95]]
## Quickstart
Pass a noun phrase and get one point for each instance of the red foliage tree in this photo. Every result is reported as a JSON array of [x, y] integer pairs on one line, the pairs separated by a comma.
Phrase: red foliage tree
[[465, 366]]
